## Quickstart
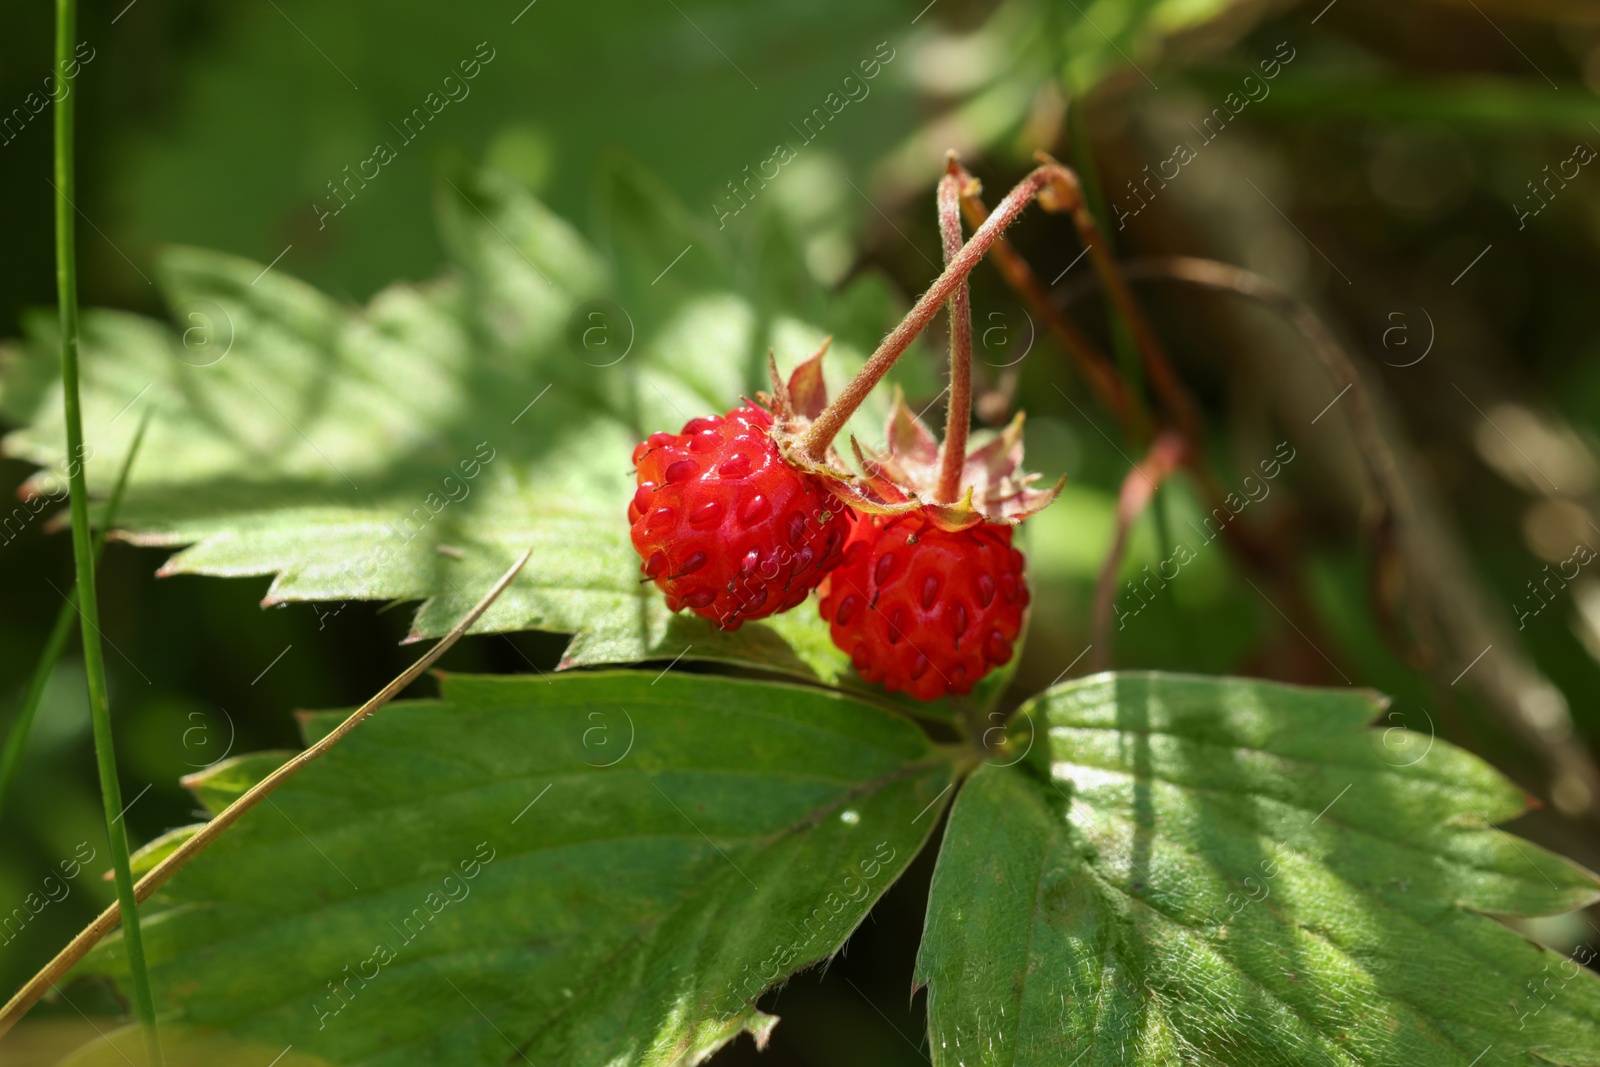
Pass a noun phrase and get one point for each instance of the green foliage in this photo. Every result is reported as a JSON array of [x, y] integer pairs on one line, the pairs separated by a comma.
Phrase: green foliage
[[610, 868], [1476, 105], [16, 742], [549, 94], [1158, 869], [1219, 871], [409, 450]]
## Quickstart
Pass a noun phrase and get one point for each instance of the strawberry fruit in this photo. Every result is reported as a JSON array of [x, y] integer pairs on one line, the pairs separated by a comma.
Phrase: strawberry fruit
[[739, 516], [725, 527], [925, 610]]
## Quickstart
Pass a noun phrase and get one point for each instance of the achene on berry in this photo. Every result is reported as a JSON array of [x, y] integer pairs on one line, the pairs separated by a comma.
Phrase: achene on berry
[[724, 526], [923, 610]]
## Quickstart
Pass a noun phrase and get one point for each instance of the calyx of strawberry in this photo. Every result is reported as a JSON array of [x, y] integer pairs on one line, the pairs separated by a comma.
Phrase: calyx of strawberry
[[904, 476], [954, 490]]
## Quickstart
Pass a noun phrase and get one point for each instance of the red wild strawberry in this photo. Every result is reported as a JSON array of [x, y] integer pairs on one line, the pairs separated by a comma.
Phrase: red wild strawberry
[[930, 595], [725, 527], [925, 610]]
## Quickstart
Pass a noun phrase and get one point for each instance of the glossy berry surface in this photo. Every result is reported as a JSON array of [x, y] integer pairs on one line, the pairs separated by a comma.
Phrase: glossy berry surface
[[724, 526], [924, 611]]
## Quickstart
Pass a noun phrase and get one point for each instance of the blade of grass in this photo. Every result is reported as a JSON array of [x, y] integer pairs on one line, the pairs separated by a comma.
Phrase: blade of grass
[[156, 877], [60, 633], [82, 546]]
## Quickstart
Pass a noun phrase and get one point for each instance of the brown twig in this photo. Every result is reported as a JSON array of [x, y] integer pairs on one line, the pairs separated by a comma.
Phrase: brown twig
[[1152, 354], [1097, 370], [1048, 183], [1057, 189], [1446, 602], [1100, 372], [1139, 487], [107, 920], [958, 416]]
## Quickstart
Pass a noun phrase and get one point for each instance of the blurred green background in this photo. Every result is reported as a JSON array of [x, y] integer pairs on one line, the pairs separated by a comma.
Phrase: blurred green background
[[1382, 175]]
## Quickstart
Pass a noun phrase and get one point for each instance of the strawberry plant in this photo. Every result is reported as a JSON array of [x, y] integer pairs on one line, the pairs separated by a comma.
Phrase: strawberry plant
[[1133, 867], [791, 616]]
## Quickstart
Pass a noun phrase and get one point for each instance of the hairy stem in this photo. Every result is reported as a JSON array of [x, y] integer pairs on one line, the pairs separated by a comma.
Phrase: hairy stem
[[1093, 364], [1043, 182], [1152, 354], [107, 920], [60, 633], [1125, 351], [1139, 487], [94, 666], [958, 417]]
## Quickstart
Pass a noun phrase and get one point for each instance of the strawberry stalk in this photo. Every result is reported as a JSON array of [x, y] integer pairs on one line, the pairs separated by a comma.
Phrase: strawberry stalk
[[1057, 190], [958, 417], [1096, 368], [1167, 453], [1153, 357]]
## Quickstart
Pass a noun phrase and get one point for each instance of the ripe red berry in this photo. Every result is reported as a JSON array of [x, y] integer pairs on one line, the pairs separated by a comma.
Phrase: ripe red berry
[[923, 610], [725, 527]]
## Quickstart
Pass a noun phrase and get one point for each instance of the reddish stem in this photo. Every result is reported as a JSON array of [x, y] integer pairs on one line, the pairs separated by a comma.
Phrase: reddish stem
[[1151, 352], [1045, 182], [1138, 488], [958, 418], [1096, 369]]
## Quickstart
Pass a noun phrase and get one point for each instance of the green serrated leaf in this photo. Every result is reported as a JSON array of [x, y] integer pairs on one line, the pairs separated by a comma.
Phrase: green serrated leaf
[[145, 858], [607, 867], [340, 449], [227, 780], [411, 449], [1193, 870]]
